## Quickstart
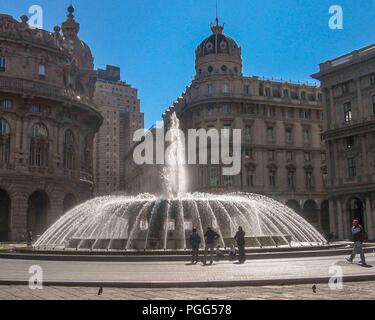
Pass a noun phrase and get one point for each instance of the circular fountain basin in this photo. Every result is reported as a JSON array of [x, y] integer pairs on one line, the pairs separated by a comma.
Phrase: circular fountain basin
[[146, 223]]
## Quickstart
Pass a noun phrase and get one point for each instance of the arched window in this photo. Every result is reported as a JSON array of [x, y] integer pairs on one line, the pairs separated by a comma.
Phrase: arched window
[[39, 146], [4, 141], [69, 151]]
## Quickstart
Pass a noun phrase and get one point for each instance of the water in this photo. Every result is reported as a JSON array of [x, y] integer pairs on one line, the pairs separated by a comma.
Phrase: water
[[147, 222]]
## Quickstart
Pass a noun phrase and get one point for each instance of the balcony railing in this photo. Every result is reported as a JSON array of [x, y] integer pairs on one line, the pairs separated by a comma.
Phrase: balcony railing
[[47, 90]]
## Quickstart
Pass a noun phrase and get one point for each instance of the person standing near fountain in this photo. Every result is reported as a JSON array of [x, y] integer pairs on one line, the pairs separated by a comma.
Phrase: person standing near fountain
[[195, 241], [240, 238], [211, 237], [359, 238]]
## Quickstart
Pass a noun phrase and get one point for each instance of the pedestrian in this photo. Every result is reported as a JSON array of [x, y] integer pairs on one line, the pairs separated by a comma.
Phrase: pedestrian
[[211, 237], [358, 237], [240, 238], [29, 238], [195, 241]]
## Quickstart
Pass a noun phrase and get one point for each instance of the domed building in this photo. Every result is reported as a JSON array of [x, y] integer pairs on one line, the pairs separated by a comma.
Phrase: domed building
[[283, 155], [47, 124]]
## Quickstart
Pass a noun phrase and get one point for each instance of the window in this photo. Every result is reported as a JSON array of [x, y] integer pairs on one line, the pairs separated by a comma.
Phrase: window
[[307, 156], [228, 181], [261, 89], [3, 64], [270, 134], [69, 154], [225, 88], [350, 142], [372, 79], [291, 179], [373, 104], [210, 89], [248, 153], [306, 114], [268, 92], [348, 112], [250, 178], [4, 141], [246, 90], [286, 93], [213, 176], [227, 109], [272, 178], [36, 108], [324, 157], [345, 87], [272, 155], [309, 179], [6, 104], [306, 136], [289, 156], [42, 71], [39, 146], [289, 135], [248, 132], [303, 95], [352, 168]]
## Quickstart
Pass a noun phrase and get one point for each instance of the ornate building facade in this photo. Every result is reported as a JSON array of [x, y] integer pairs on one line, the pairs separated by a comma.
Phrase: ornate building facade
[[282, 152], [47, 124], [120, 107], [348, 85]]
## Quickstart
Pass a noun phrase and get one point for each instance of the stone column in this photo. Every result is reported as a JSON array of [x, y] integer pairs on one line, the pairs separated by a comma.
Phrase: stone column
[[364, 155], [333, 109], [340, 219], [18, 217], [359, 99], [370, 220], [332, 218]]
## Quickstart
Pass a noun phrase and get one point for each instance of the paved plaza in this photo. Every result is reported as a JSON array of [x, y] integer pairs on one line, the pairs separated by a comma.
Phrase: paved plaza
[[351, 291], [180, 274]]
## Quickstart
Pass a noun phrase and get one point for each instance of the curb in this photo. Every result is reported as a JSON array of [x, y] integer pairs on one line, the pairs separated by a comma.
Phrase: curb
[[199, 284], [170, 258]]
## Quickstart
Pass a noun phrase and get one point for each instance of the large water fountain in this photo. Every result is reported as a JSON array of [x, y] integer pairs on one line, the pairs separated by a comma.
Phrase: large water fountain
[[147, 222]]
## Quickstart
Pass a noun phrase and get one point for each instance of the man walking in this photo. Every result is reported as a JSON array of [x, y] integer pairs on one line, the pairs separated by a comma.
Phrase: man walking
[[211, 237], [358, 238], [195, 241], [240, 238]]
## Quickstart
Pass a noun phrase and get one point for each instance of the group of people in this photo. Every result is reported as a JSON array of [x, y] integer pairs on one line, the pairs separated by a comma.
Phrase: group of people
[[211, 237]]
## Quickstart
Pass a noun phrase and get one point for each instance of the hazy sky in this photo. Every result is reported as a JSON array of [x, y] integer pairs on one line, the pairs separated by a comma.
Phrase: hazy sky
[[153, 41]]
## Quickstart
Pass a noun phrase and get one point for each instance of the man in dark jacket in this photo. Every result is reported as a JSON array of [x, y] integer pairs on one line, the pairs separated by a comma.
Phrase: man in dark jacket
[[358, 237], [195, 241], [211, 237], [240, 238]]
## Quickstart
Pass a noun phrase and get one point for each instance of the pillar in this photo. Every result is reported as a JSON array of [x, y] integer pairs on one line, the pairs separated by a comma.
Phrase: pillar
[[369, 219], [332, 218], [340, 220]]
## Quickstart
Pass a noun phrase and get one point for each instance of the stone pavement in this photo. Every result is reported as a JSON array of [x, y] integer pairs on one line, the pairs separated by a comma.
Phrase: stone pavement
[[351, 291], [178, 273]]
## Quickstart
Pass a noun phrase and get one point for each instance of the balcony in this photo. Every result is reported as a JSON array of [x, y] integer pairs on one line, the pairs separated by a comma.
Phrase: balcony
[[18, 85]]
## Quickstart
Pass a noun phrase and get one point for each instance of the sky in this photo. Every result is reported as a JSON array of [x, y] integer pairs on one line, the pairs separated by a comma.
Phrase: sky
[[154, 41]]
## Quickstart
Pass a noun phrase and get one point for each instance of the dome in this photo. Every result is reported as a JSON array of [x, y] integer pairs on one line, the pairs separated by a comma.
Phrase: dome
[[217, 43]]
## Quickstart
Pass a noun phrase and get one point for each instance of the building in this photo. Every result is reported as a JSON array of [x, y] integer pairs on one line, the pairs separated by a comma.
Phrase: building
[[282, 152], [47, 124], [348, 85], [120, 107]]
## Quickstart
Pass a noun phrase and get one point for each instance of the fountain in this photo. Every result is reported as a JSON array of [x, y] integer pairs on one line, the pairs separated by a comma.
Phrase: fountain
[[147, 222]]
